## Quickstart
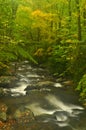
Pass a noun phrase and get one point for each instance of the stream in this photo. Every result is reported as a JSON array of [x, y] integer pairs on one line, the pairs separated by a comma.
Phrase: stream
[[54, 107]]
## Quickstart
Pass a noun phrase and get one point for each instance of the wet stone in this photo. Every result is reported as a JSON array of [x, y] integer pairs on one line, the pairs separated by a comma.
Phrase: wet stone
[[1, 91], [40, 85], [45, 83], [5, 81]]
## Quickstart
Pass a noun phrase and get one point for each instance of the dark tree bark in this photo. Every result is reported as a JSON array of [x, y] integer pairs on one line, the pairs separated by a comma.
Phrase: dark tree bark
[[69, 9], [79, 20], [84, 16]]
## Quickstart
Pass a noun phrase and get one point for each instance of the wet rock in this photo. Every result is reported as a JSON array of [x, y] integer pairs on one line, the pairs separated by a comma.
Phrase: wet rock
[[1, 91], [23, 115], [31, 87], [6, 80], [4, 92], [40, 85], [45, 83], [68, 83]]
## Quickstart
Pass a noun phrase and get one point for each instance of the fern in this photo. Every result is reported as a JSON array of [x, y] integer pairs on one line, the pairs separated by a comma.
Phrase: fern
[[15, 52], [82, 87], [7, 56], [24, 54]]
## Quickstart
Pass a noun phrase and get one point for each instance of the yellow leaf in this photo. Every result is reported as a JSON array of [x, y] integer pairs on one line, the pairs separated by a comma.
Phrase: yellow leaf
[[69, 41]]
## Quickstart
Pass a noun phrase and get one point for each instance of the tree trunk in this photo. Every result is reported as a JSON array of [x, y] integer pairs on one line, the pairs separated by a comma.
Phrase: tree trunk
[[69, 9], [84, 16], [78, 20]]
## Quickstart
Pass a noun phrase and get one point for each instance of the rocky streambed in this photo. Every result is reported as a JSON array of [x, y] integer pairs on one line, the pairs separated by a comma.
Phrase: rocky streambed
[[33, 100]]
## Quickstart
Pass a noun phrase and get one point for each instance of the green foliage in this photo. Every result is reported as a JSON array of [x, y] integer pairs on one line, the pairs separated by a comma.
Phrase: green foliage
[[58, 59], [77, 62], [23, 54], [82, 87], [14, 52]]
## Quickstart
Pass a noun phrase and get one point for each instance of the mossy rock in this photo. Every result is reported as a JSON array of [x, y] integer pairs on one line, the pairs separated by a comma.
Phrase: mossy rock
[[3, 111], [23, 114], [3, 116], [5, 81]]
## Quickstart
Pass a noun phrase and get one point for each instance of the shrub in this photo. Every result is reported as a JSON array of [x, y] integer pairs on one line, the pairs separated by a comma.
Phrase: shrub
[[82, 87]]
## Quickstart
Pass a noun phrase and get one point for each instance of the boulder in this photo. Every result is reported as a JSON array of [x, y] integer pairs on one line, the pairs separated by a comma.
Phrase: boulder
[[45, 84], [5, 81], [3, 116], [23, 114], [39, 86]]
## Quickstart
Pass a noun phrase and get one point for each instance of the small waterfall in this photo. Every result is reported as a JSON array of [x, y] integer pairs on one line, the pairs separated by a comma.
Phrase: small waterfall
[[38, 110], [20, 90], [59, 104]]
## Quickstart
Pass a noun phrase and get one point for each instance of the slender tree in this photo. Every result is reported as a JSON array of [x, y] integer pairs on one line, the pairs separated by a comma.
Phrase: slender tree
[[70, 13], [79, 20]]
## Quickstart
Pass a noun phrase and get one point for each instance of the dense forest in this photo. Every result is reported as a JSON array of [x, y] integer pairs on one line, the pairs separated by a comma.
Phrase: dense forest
[[50, 33]]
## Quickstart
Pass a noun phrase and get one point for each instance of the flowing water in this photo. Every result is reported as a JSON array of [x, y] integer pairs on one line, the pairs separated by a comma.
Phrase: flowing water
[[54, 107]]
